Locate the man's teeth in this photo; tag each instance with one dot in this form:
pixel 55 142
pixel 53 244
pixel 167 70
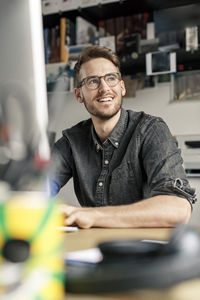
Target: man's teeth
pixel 105 99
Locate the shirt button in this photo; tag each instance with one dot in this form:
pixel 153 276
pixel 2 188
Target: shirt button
pixel 98 147
pixel 106 162
pixel 116 144
pixel 100 183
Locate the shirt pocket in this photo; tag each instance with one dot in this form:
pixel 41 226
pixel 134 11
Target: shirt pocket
pixel 123 187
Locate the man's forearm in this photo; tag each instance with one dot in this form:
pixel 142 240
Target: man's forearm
pixel 158 211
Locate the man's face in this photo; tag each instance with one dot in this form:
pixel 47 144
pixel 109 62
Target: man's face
pixel 105 101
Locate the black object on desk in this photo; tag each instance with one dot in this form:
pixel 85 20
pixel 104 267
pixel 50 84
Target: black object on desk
pixel 193 144
pixel 129 265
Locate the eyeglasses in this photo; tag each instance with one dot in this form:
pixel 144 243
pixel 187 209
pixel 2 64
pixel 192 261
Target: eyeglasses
pixel 93 82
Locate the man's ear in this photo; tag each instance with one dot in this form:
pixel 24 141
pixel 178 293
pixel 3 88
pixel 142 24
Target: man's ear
pixel 123 88
pixel 77 93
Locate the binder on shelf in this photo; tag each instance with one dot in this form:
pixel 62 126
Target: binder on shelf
pixel 70 33
pixel 54 45
pixel 63 51
pixel 110 26
pixel 119 34
pixel 47 48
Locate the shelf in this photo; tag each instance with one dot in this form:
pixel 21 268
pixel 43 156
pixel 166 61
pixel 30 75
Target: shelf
pixel 115 9
pixel 127 7
pixel 185 60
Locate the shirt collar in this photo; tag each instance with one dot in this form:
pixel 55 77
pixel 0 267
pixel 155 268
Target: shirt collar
pixel 119 129
pixel 116 134
pixel 95 139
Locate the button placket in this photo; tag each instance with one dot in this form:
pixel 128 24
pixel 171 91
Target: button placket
pixel 101 183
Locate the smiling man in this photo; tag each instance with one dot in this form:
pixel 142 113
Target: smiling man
pixel 126 167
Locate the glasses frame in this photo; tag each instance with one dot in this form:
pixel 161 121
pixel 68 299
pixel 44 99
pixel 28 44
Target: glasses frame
pixel 84 80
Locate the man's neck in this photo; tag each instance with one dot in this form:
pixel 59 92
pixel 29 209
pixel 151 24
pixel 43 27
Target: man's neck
pixel 104 128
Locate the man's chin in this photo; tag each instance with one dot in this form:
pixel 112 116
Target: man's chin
pixel 105 115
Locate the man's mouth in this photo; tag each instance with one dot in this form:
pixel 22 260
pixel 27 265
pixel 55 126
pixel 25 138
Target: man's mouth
pixel 106 99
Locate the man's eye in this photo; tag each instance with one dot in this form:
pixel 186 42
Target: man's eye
pixel 93 81
pixel 111 78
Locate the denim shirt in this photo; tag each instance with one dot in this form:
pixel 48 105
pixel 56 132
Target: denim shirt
pixel 140 159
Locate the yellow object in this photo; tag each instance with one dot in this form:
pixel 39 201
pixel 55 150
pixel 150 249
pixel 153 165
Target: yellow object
pixel 29 218
pixel 63 51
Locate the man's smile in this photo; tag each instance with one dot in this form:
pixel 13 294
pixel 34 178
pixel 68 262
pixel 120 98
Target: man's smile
pixel 105 99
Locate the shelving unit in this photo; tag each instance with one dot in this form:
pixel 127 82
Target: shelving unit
pixel 96 10
pixel 101 9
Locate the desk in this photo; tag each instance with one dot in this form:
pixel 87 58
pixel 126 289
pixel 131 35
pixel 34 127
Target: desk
pixel 89 238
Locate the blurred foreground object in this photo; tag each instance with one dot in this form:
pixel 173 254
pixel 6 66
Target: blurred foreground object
pixel 131 265
pixel 31 258
pixel 24 147
pixel 31 248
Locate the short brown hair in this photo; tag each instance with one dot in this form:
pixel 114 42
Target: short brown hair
pixel 92 52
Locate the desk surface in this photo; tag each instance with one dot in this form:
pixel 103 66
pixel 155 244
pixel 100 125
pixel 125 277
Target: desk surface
pixel 89 238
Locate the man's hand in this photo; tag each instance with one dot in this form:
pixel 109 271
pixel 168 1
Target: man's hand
pixel 83 217
pixel 158 211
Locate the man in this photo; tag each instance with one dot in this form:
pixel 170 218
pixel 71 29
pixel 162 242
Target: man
pixel 126 166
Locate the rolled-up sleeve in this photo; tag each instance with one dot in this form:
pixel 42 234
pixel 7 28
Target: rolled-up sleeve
pixel 163 163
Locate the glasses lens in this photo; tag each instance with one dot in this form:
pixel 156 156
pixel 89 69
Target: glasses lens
pixel 112 79
pixel 92 82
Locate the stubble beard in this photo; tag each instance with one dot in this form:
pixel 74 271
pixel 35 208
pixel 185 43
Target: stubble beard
pixel 103 115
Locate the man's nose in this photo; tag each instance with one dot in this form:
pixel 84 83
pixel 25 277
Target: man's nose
pixel 103 85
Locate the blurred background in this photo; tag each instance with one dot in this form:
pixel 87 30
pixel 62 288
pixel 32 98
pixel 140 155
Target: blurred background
pixel 36 78
pixel 133 31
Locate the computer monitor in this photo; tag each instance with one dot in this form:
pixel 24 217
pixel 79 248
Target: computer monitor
pixel 22 73
pixel 23 97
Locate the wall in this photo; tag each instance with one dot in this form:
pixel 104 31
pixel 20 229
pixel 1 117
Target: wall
pixel 182 118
